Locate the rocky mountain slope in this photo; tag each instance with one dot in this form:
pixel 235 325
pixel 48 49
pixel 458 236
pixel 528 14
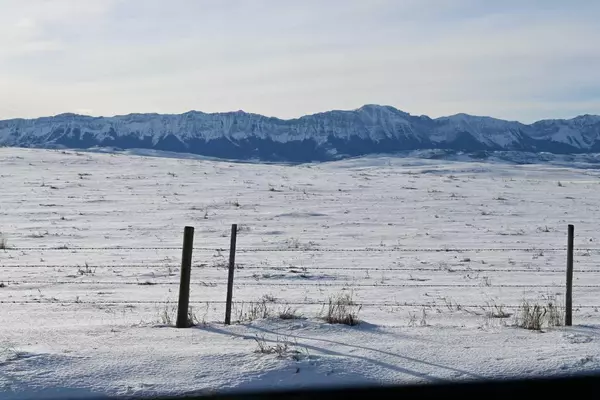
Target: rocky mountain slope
pixel 319 137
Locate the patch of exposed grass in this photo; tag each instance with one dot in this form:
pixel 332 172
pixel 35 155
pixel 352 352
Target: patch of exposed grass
pixel 535 316
pixel 255 310
pixel 342 310
pixel 288 313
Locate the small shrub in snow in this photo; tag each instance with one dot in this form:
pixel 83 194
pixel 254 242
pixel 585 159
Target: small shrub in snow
pixel 496 311
pixel 86 270
pixel 423 321
pixel 412 319
pixel 3 243
pixel 556 313
pixel 452 306
pixel 342 310
pixel 39 235
pixel 536 316
pixel 264 309
pixel 167 315
pixel 193 319
pixel 9 353
pixel 243 228
pixel 282 348
pixel 269 298
pixel 293 243
pixel 531 316
pixel 264 348
pixel 289 313
pixel 255 310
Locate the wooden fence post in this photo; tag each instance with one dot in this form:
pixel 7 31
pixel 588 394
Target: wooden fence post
pixel 230 278
pixel 184 284
pixel 569 295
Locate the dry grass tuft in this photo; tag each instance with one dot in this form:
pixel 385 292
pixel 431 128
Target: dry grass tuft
pixel 342 310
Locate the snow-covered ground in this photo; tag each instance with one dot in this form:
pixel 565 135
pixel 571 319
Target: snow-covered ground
pixel 87 316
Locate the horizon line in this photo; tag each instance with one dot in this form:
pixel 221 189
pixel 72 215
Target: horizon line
pixel 296 118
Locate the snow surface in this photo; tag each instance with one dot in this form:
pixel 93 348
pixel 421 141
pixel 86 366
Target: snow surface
pixel 67 329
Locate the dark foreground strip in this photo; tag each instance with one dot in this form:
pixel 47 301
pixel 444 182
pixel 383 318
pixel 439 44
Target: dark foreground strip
pixel 583 387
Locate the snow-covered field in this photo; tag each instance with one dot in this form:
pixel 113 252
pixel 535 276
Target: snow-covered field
pixel 86 316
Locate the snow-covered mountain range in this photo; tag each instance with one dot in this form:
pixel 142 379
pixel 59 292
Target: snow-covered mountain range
pixel 318 137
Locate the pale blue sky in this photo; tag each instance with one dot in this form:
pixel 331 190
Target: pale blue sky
pixel 521 60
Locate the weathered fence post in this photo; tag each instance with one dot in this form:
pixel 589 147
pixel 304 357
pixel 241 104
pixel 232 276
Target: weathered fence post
pixel 569 295
pixel 184 284
pixel 230 278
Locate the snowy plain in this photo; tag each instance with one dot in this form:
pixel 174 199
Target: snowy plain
pixel 430 249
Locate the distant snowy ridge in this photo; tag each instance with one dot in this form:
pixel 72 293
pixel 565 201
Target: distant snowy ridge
pixel 331 135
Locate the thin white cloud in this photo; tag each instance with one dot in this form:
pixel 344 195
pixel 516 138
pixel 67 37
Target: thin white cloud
pixel 25 23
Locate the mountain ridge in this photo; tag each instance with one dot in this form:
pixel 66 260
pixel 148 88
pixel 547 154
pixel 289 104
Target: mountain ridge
pixel 317 137
pixel 296 118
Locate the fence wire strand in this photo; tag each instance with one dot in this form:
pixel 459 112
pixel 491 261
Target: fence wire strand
pixel 308 249
pixel 349 284
pixel 291 269
pixel 302 283
pixel 250 303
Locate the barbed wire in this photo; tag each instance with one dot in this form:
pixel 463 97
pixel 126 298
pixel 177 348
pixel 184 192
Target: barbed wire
pixel 243 303
pixel 349 284
pixel 301 283
pixel 94 266
pixel 409 285
pixel 353 285
pixel 295 270
pixel 138 283
pixel 447 269
pixel 73 248
pixel 395 250
pixel 307 249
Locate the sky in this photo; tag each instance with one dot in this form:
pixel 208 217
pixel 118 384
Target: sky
pixel 520 60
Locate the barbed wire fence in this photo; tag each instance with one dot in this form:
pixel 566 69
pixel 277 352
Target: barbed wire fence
pixel 272 249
